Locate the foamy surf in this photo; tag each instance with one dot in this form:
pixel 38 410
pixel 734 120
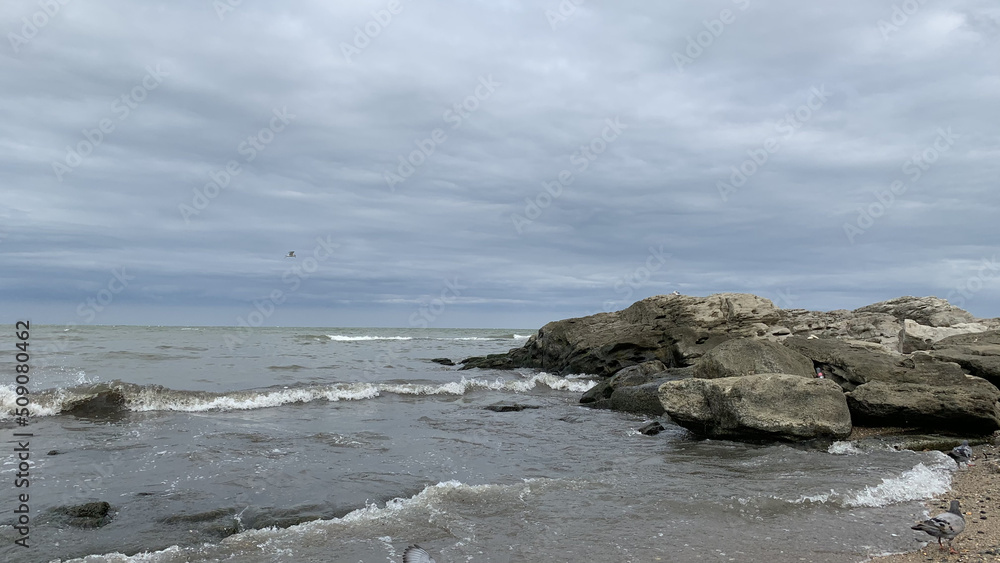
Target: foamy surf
pixel 144 398
pixel 921 482
pixel 375 522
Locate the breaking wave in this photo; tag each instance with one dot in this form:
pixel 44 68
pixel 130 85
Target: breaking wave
pixel 116 396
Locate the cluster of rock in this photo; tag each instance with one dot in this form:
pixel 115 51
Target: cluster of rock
pixel 736 366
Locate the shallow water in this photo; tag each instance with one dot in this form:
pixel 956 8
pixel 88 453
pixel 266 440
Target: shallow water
pixel 349 444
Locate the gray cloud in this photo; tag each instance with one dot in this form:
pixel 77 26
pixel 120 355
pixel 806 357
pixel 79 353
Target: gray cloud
pixel 785 233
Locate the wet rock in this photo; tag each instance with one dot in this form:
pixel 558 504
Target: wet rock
pixel 638 399
pixel 651 429
pixel 87 515
pixel 745 356
pixel 763 406
pixel 510 407
pixel 632 375
pixel 443 361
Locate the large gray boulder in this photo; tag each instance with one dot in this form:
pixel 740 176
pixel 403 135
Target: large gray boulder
pixel 599 395
pixel 979 354
pixel 746 356
pixel 763 406
pixel 968 408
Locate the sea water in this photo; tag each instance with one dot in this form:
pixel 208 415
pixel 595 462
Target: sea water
pixel 347 445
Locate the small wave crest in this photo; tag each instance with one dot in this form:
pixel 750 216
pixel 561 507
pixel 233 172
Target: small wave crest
pixel 103 399
pixel 347 338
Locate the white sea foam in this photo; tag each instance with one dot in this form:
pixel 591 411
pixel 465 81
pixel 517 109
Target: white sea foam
pixel 920 482
pixel 522 336
pixel 343 338
pixel 844 448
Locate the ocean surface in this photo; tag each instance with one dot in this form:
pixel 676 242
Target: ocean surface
pixel 346 445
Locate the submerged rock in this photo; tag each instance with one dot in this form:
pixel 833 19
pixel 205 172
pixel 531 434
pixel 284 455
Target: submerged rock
pixel 651 429
pixel 510 407
pixel 443 361
pixel 764 406
pixel 87 515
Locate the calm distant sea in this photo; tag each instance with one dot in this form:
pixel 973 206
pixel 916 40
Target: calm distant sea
pixel 346 445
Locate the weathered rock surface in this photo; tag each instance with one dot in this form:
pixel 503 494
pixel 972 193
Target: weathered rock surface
pixel 979 354
pixel 915 336
pixel 967 408
pixel 929 311
pixel 674 329
pixel 763 406
pixel 679 329
pixel 917 350
pixel 746 356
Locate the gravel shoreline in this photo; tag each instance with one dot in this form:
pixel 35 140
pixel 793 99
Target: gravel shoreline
pixel 978 489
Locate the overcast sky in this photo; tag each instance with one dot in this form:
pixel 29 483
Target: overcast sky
pixel 492 163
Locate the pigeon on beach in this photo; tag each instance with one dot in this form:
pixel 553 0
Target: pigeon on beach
pixel 962 454
pixel 944 526
pixel 417 554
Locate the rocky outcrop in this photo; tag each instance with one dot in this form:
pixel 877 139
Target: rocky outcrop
pixel 674 329
pixel 909 352
pixel 979 354
pixel 679 329
pixel 763 406
pixel 968 408
pixel 746 356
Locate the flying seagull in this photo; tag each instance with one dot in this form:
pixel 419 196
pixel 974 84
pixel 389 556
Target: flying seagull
pixel 944 526
pixel 962 454
pixel 291 254
pixel 417 554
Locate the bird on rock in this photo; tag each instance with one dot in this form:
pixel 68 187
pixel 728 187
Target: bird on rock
pixel 962 454
pixel 944 526
pixel 417 554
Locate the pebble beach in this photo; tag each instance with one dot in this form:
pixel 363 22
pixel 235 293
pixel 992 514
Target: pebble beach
pixel 978 488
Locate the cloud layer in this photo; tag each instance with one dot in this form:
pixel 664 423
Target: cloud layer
pixel 497 163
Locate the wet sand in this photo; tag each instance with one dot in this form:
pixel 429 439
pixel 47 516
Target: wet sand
pixel 978 489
